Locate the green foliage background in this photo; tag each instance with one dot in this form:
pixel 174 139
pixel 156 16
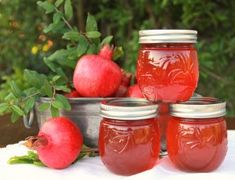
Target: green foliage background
pixel 22 21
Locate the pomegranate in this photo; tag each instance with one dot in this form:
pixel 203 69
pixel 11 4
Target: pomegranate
pixel 58 142
pixel 134 91
pixel 125 83
pixel 97 75
pixel 72 94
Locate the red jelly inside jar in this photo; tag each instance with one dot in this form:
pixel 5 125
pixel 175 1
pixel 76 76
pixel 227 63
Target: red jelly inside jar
pixel 129 141
pixel 167 67
pixel 197 144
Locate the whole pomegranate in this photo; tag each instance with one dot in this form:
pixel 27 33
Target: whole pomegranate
pixel 58 142
pixel 134 91
pixel 97 75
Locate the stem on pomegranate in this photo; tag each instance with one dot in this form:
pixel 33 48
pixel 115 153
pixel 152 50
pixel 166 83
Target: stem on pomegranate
pixel 35 142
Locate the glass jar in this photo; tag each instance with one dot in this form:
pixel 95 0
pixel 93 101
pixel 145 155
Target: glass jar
pixel 197 134
pixel 129 140
pixel 167 67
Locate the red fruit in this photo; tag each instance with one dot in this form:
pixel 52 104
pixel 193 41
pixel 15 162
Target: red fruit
pixel 125 83
pixel 97 75
pixel 58 142
pixel 72 94
pixel 134 91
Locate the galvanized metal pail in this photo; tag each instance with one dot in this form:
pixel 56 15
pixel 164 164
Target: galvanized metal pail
pixel 84 112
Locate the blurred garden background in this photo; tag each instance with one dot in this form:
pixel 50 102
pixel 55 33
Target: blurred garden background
pixel 23 43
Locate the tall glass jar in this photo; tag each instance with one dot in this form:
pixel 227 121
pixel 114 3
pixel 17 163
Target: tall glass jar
pixel 129 139
pixel 167 67
pixel 197 134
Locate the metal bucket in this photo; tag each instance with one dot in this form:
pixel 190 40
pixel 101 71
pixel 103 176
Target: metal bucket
pixel 84 112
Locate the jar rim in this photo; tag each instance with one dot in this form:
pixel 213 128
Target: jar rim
pixel 128 109
pixel 199 107
pixel 167 36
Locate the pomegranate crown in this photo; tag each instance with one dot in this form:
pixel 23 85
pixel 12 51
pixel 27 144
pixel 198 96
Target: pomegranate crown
pixel 106 52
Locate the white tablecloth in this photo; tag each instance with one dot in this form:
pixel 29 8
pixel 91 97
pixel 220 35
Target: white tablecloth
pixel 92 168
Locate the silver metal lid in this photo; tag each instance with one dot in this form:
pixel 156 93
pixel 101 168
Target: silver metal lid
pixel 167 36
pixel 128 109
pixel 199 107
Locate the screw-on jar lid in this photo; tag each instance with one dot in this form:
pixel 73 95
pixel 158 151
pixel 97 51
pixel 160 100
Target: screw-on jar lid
pixel 199 107
pixel 167 36
pixel 128 109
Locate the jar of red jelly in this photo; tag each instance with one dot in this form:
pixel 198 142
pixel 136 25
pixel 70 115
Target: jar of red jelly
pixel 197 134
pixel 129 140
pixel 167 67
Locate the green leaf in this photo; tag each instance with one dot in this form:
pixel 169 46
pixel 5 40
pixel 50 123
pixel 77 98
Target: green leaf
pixel 81 155
pixel 32 155
pixel 57 17
pixel 106 40
pixel 57 104
pixel 50 64
pixel 47 89
pixel 17 109
pixel 30 158
pixel 49 7
pixel 9 97
pixel 118 52
pixel 32 92
pixel 34 78
pixel 54 112
pixel 62 58
pixel 93 34
pixel 82 46
pixel 55 78
pixel 71 35
pixel 54 27
pixel 15 89
pixel 86 151
pixel 39 163
pixel 20 160
pixel 62 88
pixel 14 116
pixel 39 81
pixel 68 9
pixel 49 28
pixel 29 104
pixel 64 101
pixel 71 59
pixel 59 54
pixel 43 107
pixel 55 68
pixel 58 3
pixel 91 24
pixel 3 107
